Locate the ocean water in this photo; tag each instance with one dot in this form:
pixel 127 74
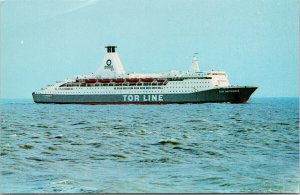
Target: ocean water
pixel 205 148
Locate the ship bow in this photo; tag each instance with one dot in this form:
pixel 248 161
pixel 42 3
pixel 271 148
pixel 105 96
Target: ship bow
pixel 240 94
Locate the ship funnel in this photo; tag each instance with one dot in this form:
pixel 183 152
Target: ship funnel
pixel 111 49
pixel 112 66
pixel 195 64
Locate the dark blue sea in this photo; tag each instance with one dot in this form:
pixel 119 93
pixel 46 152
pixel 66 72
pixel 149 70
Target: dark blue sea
pixel 200 148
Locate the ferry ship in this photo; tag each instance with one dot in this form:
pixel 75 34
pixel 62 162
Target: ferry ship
pixel 110 84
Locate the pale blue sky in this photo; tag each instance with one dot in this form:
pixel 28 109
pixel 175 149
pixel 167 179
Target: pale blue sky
pixel 254 41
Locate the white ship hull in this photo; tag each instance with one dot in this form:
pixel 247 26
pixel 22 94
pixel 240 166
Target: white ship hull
pixel 231 95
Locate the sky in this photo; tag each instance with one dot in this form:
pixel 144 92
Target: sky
pixel 254 41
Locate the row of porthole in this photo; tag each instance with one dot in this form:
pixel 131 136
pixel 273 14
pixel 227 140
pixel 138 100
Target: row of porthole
pixel 129 88
pixel 73 92
pixel 185 87
pixel 115 92
pixel 99 90
pixel 126 86
pixel 196 82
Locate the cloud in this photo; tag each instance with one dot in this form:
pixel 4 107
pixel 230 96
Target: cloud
pixel 82 4
pixel 61 8
pixel 1 2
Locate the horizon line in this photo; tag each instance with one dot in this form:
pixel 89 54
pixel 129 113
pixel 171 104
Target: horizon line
pixel 250 98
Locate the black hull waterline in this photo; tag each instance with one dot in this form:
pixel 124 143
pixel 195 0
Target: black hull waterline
pixel 228 94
